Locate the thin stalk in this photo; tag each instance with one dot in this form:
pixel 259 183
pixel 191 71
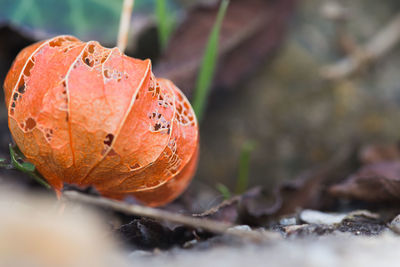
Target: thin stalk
pixel 163 215
pixel 19 164
pixel 124 24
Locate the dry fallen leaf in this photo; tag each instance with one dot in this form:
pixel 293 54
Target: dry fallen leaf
pixel 378 153
pixel 379 182
pixel 306 191
pixel 250 33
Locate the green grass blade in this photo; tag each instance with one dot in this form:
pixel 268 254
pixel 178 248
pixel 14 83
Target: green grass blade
pixel 225 192
pixel 165 22
pixel 208 65
pixel 243 176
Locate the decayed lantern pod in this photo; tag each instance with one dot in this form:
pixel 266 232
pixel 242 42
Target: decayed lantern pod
pixel 91 116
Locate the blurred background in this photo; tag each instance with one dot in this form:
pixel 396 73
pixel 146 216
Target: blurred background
pixel 296 80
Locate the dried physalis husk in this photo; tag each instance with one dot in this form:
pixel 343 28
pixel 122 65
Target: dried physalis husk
pixel 91 116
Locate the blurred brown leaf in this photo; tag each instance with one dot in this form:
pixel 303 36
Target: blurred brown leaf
pixel 308 189
pixel 250 33
pixel 379 153
pixel 379 182
pixel 230 209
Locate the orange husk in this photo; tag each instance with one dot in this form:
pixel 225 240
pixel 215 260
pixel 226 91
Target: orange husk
pixel 91 116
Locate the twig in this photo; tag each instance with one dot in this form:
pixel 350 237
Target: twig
pixel 335 11
pixel 376 47
pixel 339 15
pixel 206 224
pixel 124 23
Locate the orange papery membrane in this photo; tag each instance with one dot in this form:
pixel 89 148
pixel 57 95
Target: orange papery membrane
pixel 88 115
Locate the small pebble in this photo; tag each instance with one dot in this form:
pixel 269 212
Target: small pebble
pixel 318 217
pixel 244 228
pixel 288 221
pixel 395 224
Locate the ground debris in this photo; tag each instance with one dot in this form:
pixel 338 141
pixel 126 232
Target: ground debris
pixel 361 227
pixel 317 223
pixel 340 250
pixel 147 234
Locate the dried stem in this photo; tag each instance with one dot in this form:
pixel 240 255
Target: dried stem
pixel 124 23
pixel 206 224
pixel 376 47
